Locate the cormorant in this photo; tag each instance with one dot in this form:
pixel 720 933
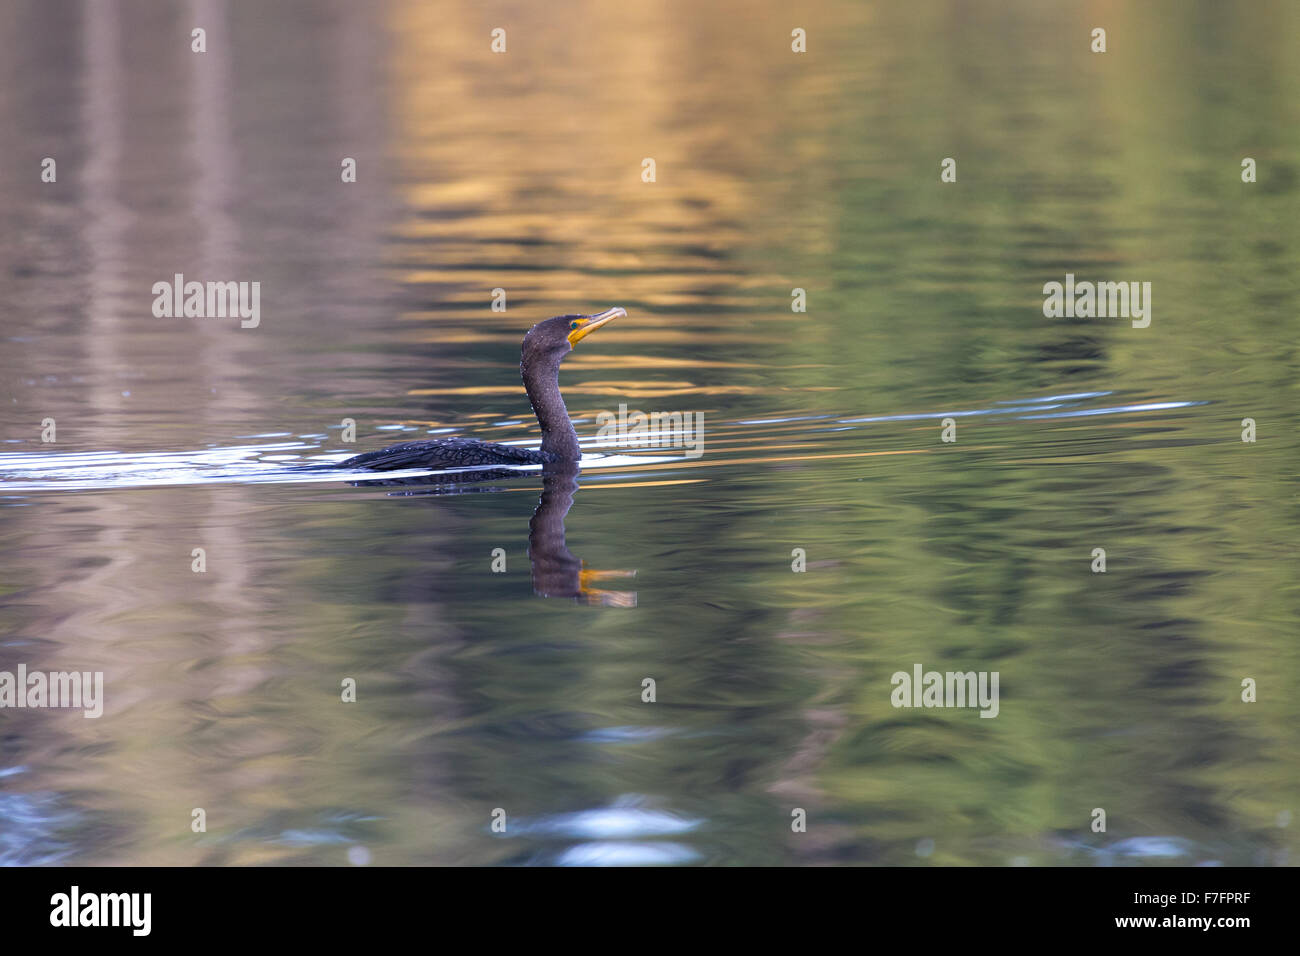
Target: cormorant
pixel 544 347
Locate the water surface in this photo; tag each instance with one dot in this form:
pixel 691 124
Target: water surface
pixel 823 430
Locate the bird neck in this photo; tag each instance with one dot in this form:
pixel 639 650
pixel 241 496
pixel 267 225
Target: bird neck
pixel 542 382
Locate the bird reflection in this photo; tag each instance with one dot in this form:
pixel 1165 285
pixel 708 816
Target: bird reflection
pixel 556 571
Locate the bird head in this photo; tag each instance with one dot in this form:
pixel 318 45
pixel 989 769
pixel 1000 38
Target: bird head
pixel 557 336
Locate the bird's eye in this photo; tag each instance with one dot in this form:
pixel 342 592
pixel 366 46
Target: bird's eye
pixel 573 325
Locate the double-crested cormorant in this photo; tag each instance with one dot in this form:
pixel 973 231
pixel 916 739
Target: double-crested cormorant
pixel 543 349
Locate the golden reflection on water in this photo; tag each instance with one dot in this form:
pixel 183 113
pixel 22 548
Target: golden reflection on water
pixel 537 153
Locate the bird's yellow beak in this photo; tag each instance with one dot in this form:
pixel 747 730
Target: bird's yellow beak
pixel 581 328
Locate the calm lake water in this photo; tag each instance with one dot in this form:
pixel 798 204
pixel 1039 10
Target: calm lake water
pixel 775 171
